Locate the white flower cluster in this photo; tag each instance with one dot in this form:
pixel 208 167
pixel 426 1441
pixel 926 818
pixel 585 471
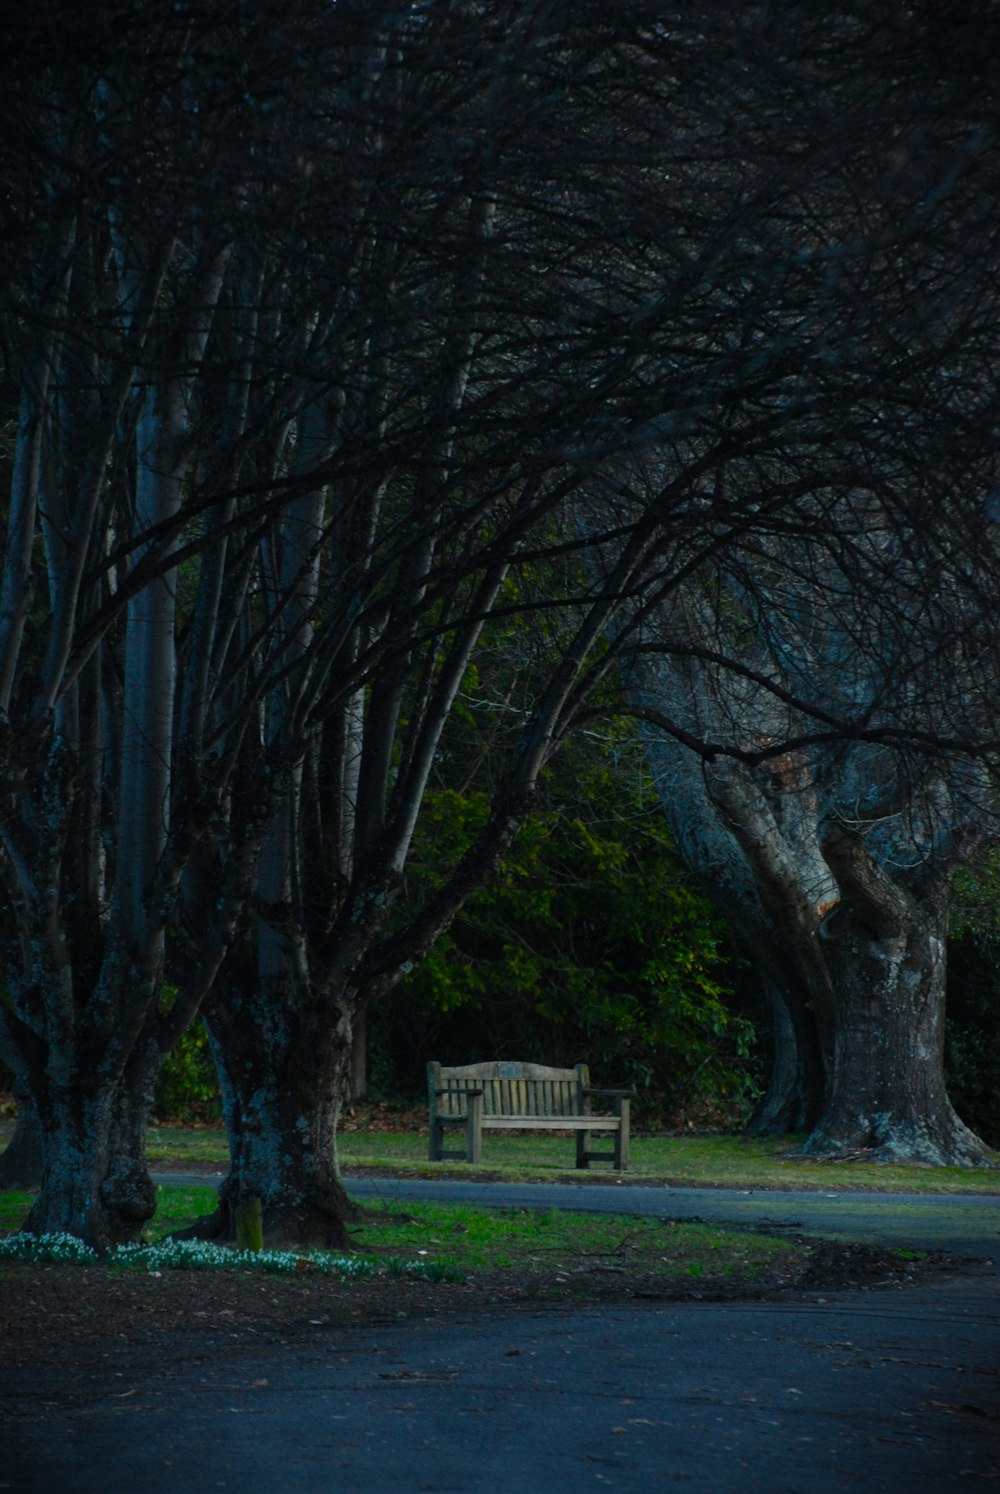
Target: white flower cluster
pixel 63 1247
pixel 197 1255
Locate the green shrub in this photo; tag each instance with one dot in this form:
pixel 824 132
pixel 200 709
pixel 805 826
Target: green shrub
pixel 188 1087
pixel 592 943
pixel 972 1043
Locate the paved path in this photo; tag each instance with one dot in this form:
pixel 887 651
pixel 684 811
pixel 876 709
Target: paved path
pixel 874 1392
pixel 966 1223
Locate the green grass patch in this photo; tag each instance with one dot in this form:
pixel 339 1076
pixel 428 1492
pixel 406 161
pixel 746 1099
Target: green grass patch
pixel 175 1208
pixel 183 1145
pixel 450 1242
pixel 561 1243
pixel 14 1207
pixel 702 1160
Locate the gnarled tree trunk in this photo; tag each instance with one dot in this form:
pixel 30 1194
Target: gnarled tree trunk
pixel 887 1098
pixel 94 1183
pixel 91 1100
pixel 848 920
pixel 283 1066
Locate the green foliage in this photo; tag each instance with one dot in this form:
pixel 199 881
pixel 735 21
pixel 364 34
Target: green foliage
pixel 591 943
pixel 975 911
pixel 188 1088
pixel 972 1043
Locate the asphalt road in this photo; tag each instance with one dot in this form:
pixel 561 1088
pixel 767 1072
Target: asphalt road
pixel 885 1390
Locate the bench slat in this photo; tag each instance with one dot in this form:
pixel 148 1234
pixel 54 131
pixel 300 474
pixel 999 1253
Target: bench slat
pixel 551 1123
pixel 504 1095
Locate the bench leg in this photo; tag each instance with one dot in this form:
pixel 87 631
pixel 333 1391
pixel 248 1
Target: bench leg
pixel 623 1107
pixel 583 1148
pixel 436 1145
pixel 474 1129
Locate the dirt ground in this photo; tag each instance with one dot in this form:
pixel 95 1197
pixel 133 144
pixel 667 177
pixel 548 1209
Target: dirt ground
pixel 52 1314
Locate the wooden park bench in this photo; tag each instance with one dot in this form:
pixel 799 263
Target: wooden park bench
pixel 499 1096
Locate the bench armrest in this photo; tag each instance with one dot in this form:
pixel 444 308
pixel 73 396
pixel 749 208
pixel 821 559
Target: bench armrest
pixel 475 1093
pixel 613 1094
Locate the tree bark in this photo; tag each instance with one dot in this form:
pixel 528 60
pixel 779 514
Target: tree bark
pixel 359 1056
pixel 94 1182
pixel 127 1191
pixel 887 1098
pixel 283 1067
pixel 846 914
pixel 793 1099
pixel 90 1085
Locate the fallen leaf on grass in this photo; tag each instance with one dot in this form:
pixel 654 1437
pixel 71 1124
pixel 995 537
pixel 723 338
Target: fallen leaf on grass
pixel 965 1409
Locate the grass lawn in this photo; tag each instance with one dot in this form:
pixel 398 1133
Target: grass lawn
pixel 698 1160
pixel 459 1239
pixel 694 1160
pixel 472 1239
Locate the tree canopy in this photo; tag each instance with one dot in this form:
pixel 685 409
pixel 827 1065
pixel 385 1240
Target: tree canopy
pixel 336 341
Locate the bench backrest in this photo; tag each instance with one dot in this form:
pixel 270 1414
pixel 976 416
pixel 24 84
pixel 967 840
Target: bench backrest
pixel 510 1088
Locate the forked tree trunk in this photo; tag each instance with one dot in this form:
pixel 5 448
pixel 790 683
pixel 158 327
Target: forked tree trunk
pixel 887 1098
pixel 283 1068
pixel 850 926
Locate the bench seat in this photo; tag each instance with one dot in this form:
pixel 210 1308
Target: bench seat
pixel 514 1096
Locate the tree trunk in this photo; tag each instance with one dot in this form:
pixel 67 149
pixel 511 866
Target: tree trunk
pixel 75 1130
pixel 128 1191
pixel 91 1093
pixel 887 1098
pixel 793 1100
pixel 283 1068
pixel 94 1180
pixel 359 1056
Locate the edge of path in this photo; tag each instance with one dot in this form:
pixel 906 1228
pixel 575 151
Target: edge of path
pixel 967 1224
